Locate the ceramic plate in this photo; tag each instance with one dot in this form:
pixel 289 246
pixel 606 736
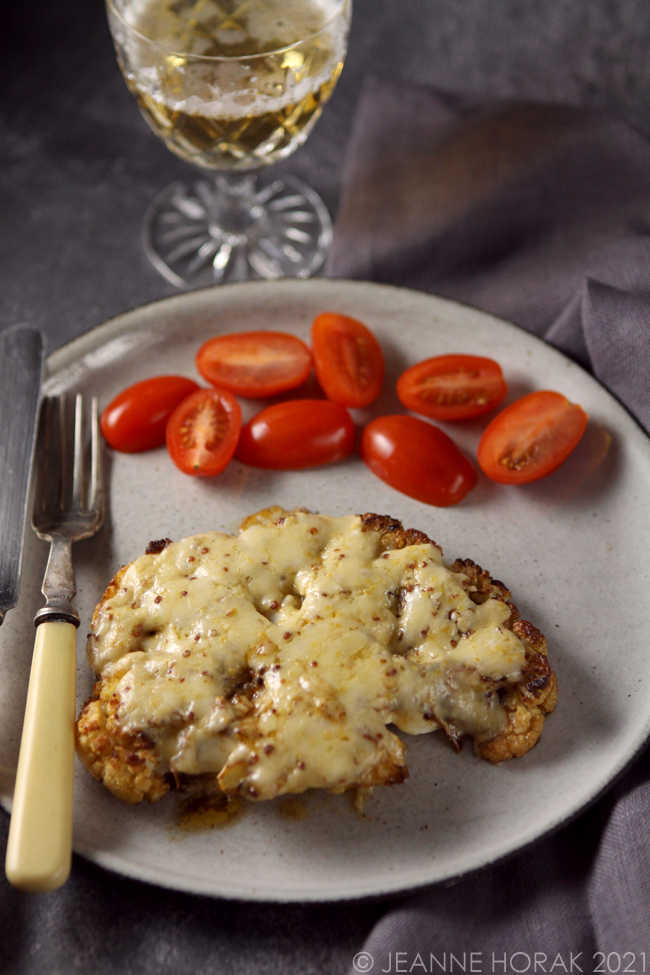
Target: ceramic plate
pixel 573 548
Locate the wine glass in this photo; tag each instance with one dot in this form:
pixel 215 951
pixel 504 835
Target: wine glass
pixel 233 86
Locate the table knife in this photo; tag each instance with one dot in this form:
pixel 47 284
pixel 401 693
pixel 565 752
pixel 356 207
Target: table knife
pixel 21 369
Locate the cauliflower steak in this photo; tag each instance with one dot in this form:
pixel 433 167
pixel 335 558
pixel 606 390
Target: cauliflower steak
pixel 276 660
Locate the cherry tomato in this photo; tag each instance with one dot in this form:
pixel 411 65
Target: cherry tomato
pixel 203 430
pixel 418 459
pixel 297 433
pixel 452 387
pixel 254 363
pixel 136 419
pixel 531 438
pixel 348 360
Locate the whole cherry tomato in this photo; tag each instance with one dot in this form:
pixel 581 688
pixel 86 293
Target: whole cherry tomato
pixel 418 459
pixel 452 387
pixel 348 360
pixel 297 433
pixel 137 418
pixel 255 364
pixel 203 430
pixel 531 438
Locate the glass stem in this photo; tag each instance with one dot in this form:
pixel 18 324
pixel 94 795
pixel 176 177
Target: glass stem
pixel 238 187
pixel 233 206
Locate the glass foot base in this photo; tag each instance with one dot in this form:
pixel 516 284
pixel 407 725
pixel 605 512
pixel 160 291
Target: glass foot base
pixel 236 227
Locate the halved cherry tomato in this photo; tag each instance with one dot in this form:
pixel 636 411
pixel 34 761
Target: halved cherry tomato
pixel 203 431
pixel 137 418
pixel 254 363
pixel 452 387
pixel 297 433
pixel 418 459
pixel 531 438
pixel 348 360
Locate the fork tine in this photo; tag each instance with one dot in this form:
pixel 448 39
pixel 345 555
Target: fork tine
pixel 78 457
pixel 68 495
pixel 49 485
pixel 95 497
pixel 41 440
pixel 59 446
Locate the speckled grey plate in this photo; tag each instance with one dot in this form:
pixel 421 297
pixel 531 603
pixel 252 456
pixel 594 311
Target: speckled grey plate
pixel 572 548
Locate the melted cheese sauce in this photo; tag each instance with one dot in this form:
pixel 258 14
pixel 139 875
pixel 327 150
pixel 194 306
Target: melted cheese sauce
pixel 275 659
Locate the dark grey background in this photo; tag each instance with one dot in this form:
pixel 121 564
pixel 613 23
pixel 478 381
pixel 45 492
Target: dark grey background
pixel 78 167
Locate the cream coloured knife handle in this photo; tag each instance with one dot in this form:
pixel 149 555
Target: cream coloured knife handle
pixel 40 833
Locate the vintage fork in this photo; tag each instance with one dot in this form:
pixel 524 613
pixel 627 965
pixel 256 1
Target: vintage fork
pixel 68 505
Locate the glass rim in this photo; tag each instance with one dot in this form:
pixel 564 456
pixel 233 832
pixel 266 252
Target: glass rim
pixel 227 57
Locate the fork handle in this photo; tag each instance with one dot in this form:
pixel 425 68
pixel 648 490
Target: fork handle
pixel 39 851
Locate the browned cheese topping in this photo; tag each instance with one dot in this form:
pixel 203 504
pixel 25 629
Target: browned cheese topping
pixel 276 659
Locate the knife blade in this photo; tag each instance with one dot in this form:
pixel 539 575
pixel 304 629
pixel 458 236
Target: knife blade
pixel 21 370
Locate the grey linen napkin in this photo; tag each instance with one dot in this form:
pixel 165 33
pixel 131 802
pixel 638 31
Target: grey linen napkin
pixel 540 215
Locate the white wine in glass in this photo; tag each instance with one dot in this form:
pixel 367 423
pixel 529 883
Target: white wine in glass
pixel 233 86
